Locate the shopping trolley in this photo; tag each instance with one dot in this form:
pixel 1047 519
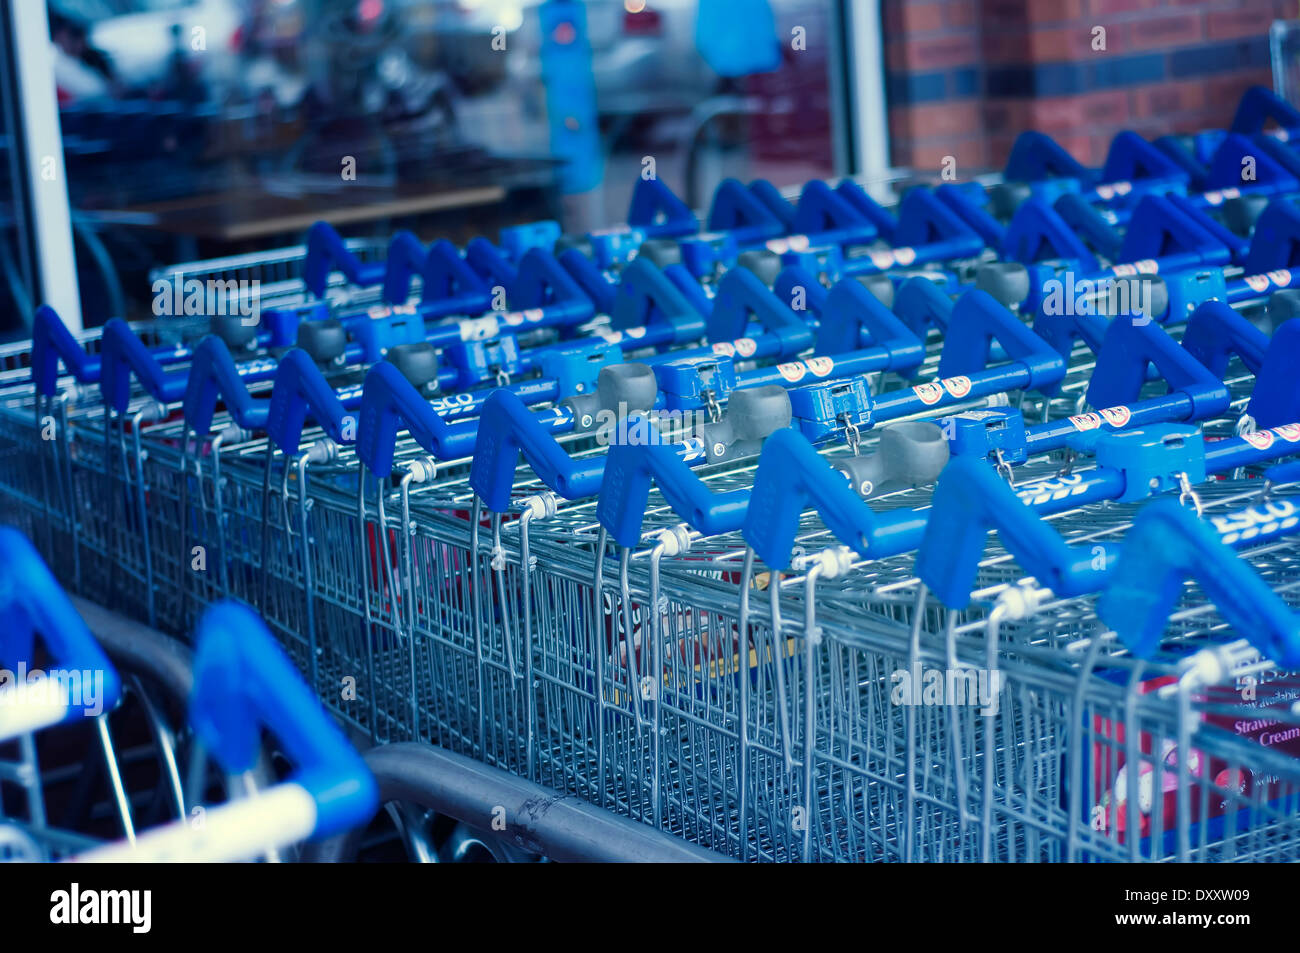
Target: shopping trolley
pixel 242 685
pixel 1203 791
pixel 734 295
pixel 534 637
pixel 513 663
pixel 566 569
pixel 77 682
pixel 506 627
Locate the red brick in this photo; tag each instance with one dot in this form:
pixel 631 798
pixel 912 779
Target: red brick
pixel 941 53
pixel 1105 8
pixel 1169 99
pixel 1229 24
pixel 960 13
pixel 1287 9
pixel 1185 125
pixel 909 18
pixel 1070 114
pixel 999 149
pixel 971 154
pixel 942 119
pixel 1108 107
pixel 1009 116
pixel 1053 44
pixel 1053 11
pixel 1002 12
pixel 1177 29
pixel 1054 115
pixel 1004 46
pixel 1223 92
pixel 922 17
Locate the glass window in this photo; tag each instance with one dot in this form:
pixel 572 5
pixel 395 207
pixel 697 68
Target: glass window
pixel 197 128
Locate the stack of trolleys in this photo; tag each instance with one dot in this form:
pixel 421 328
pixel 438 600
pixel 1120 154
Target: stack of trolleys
pixel 141 389
pixel 639 583
pixel 242 686
pixel 604 721
pixel 148 376
pixel 42 411
pixel 690 603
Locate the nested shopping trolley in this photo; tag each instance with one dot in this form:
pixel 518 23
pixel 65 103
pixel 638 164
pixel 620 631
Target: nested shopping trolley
pixel 703 598
pixel 240 685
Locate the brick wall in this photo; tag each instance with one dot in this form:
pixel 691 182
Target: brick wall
pixel 964 77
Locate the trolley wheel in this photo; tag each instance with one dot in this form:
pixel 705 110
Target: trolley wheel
pixel 164 771
pixel 414 823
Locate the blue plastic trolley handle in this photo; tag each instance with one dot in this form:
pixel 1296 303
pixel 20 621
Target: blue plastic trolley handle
pixel 243 683
pixel 791 476
pixel 638 457
pixel 508 428
pixel 327 250
pixel 52 342
pixel 300 388
pixel 124 356
pixel 213 379
pixel 1168 545
pixel 31 603
pixel 1260 104
pixel 389 404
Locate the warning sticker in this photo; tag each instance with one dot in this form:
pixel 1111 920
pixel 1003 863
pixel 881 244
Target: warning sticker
pixel 1219 196
pixel 793 371
pixel 957 386
pixel 1147 266
pixel 1118 416
pixel 1086 421
pixel 821 366
pixel 930 393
